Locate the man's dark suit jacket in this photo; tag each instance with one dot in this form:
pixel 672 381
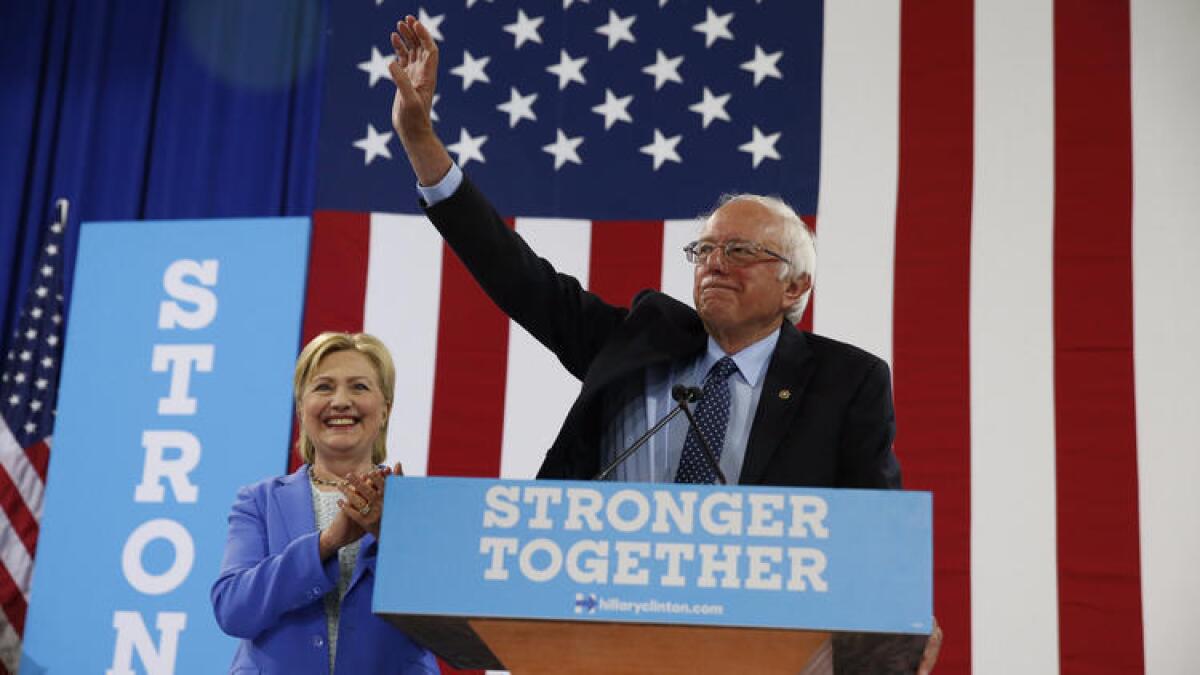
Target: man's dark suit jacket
pixel 825 417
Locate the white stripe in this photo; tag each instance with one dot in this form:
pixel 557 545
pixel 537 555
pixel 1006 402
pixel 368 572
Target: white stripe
pixel 676 270
pixel 1166 145
pixel 21 471
pixel 14 556
pixel 538 391
pixel 859 154
pixel 1014 591
pixel 10 645
pixel 404 281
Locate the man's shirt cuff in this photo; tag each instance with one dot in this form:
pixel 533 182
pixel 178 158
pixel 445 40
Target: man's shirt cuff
pixel 443 188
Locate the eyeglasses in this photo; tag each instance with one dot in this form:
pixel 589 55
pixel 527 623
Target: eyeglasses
pixel 736 252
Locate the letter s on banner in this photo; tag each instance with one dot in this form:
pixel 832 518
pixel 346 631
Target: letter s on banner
pixel 170 314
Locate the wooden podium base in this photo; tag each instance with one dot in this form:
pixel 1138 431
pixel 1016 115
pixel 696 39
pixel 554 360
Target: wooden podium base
pixel 542 647
pixel 533 647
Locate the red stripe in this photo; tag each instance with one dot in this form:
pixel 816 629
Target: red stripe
pixel 39 457
pixel 931 305
pixel 626 257
pixel 468 382
pixel 23 522
pixel 1099 573
pixel 338 253
pixel 13 601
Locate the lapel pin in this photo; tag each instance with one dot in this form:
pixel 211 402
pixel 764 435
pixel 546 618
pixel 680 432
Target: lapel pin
pixel 785 394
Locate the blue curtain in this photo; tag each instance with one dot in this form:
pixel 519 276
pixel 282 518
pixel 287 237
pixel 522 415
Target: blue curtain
pixel 152 109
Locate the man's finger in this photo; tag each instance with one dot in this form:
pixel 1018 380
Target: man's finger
pixel 423 35
pixel 409 38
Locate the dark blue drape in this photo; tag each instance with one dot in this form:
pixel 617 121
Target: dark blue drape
pixel 152 109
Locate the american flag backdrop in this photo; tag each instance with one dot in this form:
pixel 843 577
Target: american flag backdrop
pixel 28 391
pixel 971 169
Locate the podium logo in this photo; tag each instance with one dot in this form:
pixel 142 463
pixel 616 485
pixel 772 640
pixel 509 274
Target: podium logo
pixel 586 602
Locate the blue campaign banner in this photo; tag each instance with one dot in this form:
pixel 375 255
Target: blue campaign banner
pixel 840 560
pixel 175 391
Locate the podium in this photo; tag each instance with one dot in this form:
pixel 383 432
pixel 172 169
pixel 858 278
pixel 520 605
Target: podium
pixel 606 577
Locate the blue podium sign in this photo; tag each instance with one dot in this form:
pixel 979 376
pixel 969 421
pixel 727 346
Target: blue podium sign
pixel 175 391
pixel 813 559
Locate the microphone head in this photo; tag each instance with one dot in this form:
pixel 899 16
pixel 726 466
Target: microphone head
pixel 694 394
pixel 683 393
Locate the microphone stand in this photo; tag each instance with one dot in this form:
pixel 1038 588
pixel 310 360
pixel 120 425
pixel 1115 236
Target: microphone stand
pixel 682 395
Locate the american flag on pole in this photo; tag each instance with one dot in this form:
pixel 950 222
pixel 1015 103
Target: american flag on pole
pixel 971 169
pixel 28 391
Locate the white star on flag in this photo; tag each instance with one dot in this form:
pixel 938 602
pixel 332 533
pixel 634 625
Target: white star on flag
pixel 711 107
pixel 376 67
pixel 614 109
pixel 524 29
pixel 763 65
pixel 662 149
pixel 664 69
pixel 761 146
pixel 471 70
pixel 433 24
pixel 518 107
pixel 568 69
pixel 468 147
pixel 617 29
pixel 715 26
pixel 564 149
pixel 374 144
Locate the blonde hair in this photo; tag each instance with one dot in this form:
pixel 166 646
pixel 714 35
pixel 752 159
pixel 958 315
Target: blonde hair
pixel 377 354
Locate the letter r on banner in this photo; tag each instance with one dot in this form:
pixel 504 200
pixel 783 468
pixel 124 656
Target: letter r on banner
pixel 156 466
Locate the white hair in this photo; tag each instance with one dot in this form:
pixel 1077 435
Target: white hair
pixel 799 244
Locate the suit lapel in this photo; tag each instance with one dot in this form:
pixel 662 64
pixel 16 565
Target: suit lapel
pixel 782 395
pixel 294 500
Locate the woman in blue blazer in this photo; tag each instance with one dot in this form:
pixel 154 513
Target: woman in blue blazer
pixel 297 577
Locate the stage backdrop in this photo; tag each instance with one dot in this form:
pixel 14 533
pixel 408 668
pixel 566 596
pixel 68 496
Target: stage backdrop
pixel 176 390
pixel 971 168
pixel 1006 195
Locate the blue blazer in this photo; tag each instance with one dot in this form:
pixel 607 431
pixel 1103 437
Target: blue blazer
pixel 270 589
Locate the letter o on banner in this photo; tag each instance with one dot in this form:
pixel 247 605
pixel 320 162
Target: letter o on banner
pixel 181 566
pixel 553 565
pixel 641 511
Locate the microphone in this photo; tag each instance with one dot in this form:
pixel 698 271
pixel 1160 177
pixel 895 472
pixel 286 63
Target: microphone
pixel 683 395
pixel 680 392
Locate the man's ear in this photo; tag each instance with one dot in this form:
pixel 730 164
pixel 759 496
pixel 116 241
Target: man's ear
pixel 795 289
